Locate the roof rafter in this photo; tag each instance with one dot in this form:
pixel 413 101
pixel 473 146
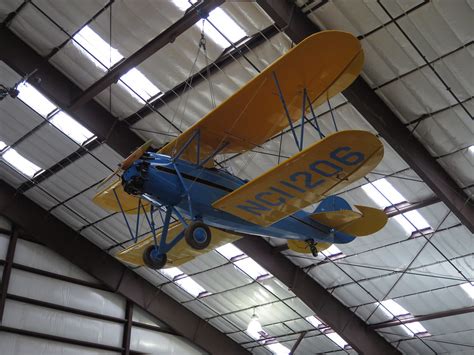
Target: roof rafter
pixel 297 26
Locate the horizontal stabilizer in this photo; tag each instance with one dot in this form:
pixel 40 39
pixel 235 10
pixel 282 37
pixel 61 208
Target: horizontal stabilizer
pixel 309 176
pixel 181 253
pixel 109 201
pixel 300 246
pixel 369 221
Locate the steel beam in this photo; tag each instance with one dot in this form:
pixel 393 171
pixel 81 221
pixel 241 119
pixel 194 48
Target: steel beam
pixel 165 37
pixel 7 270
pixel 398 209
pixel 297 26
pixel 328 309
pixel 62 239
pixel 127 329
pixel 421 318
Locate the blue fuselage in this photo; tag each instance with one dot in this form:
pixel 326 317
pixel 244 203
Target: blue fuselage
pixel 159 178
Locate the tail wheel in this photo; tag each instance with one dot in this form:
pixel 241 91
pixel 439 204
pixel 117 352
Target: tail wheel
pixel 198 235
pixel 153 259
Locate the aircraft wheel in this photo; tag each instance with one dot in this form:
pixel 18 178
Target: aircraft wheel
pixel 153 259
pixel 198 235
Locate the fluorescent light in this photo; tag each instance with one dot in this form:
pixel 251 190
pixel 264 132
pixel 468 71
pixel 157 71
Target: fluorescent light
pixel 229 251
pixel 71 127
pixel 278 349
pixel 254 329
pixel 33 98
pixel 471 149
pixel 106 56
pixel 383 193
pixel 315 322
pixel 249 266
pixel 337 339
pixel 190 286
pixel 2 145
pixel 226 25
pixel 20 163
pixel 100 49
pixel 392 308
pixel 468 288
pixel 171 272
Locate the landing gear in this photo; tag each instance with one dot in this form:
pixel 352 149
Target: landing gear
pixel 153 259
pixel 198 235
pixel 312 247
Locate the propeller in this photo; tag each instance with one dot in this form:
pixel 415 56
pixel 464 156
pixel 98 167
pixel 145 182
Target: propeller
pixel 124 165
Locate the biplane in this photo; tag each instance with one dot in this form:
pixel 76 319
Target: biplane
pixel 203 206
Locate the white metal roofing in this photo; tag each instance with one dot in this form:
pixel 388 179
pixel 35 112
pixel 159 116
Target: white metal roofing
pixel 372 268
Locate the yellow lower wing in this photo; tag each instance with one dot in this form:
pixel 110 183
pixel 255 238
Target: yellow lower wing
pixel 357 224
pixel 108 200
pixel 314 173
pixel 181 253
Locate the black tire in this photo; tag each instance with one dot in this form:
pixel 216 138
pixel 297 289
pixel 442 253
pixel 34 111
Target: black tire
pixel 152 259
pixel 198 235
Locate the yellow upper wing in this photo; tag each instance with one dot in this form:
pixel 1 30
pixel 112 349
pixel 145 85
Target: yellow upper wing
pixel 314 173
pixel 324 63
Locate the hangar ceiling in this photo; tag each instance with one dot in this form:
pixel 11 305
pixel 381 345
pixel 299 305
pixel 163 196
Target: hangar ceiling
pixel 418 63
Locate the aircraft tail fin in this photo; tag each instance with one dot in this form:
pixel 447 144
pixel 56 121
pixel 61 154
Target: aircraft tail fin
pixel 336 213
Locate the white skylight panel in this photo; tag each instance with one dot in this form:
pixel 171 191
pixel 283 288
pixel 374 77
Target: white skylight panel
pixel 191 286
pixel 412 221
pixel 183 5
pixel 171 272
pixel 383 193
pixel 229 251
pixel 2 145
pixel 99 48
pixel 33 98
pixel 278 349
pixel 315 322
pixel 393 309
pixel 414 328
pixel 469 289
pixel 71 127
pixel 226 25
pixel 337 339
pixel 20 163
pixel 332 251
pixel 137 84
pixel 254 270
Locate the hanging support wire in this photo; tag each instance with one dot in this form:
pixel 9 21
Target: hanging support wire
pixel 332 114
pixel 123 214
pixel 315 119
pixel 202 45
pixel 285 107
